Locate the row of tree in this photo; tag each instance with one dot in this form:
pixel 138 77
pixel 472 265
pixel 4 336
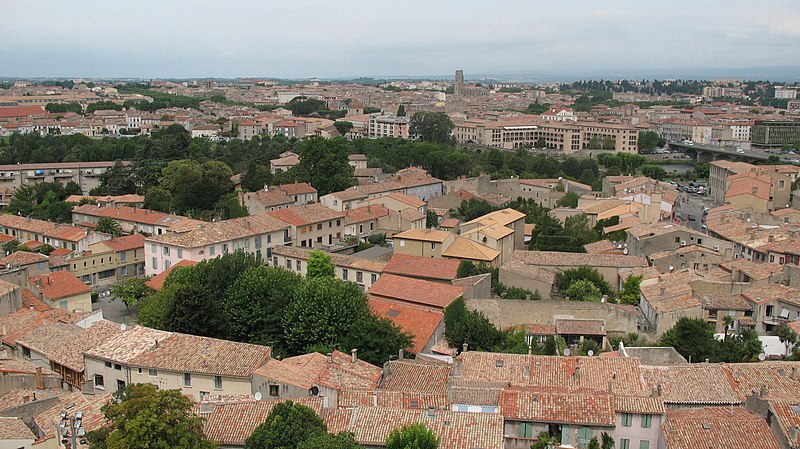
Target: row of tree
pixel 236 297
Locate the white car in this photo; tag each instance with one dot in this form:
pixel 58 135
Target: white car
pixel 739 150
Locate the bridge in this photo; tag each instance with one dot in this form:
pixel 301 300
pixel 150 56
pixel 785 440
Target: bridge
pixel 708 153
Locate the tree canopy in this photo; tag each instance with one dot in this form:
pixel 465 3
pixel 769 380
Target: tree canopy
pixel 431 126
pixel 412 436
pixel 288 425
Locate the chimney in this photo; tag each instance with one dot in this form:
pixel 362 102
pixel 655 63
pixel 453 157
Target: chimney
pixel 610 387
pixel 654 391
pixel 400 355
pixel 764 391
pixel 330 357
pixel 354 354
pixel 577 374
pixel 771 238
pixel 663 291
pixel 26 399
pixel 659 390
pixel 39 379
pixel 464 347
pixel 526 372
pixel 5 329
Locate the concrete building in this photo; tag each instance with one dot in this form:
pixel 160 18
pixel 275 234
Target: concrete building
pixel 387 126
pixel 458 87
pixel 109 262
pixel 63 290
pixel 363 272
pixel 312 225
pixel 774 133
pixel 422 242
pixel 85 174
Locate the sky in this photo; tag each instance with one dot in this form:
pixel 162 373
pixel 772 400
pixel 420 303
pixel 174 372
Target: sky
pixel 352 38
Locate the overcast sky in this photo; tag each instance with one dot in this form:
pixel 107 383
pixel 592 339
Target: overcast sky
pixel 326 38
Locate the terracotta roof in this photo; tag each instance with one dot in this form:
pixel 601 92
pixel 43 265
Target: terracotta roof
pixel 124 213
pixel 340 260
pixel 545 406
pixel 529 271
pixel 191 353
pixel 20 258
pixel 417 377
pixel 696 384
pixel 391 399
pixel 580 327
pixel 12 428
pixel 772 292
pixel 411 201
pixel 503 217
pixel 464 248
pixel 157 281
pixel 125 243
pixel 311 369
pixel 204 233
pixel 425 235
pixel 58 285
pixel 269 198
pixel 727 428
pixel 415 291
pixel 457 430
pixel 422 267
pixel 231 424
pixel 365 213
pixel 46 228
pixel 90 405
pixel 417 321
pixel 642 405
pixel 748 184
pixel 307 214
pixel 48 340
pixel 20 396
pixel 788 415
pixel 298 188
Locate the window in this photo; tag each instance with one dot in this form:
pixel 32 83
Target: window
pixel 108 364
pixel 258 242
pixel 118 367
pixel 525 430
pixel 627 419
pixel 319 226
pixel 781 184
pixel 359 276
pixel 120 384
pixel 153 247
pixel 212 250
pixel 433 245
pixel 218 382
pixel 273 390
pixel 338 222
pixel 644 444
pixel 677 239
pixel 123 256
pixel 225 248
pixel 26 352
pixel 139 370
pixel 99 382
pixel 373 278
pixel 123 271
pixel 289 263
pixel 152 373
pixel 204 394
pixel 187 379
pixel 180 253
pixel 167 264
pixel 624 443
pixel 166 250
pixel 770 311
pixel 155 263
pixel 585 434
pixel 344 274
pixel 647 421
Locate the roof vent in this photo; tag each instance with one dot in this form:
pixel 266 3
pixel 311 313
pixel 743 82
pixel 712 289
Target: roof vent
pixel 706 426
pixel 499 363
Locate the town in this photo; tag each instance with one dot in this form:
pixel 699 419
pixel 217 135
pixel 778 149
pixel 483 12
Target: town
pixel 595 264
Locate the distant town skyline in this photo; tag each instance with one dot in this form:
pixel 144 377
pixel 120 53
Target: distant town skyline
pixel 306 38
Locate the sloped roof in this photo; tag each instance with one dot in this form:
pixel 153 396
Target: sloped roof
pixel 415 291
pixel 422 267
pixel 727 428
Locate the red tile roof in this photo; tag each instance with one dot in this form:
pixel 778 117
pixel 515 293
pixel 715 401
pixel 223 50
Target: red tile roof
pixel 297 188
pixel 565 407
pixel 157 281
pixel 19 258
pixel 727 428
pixel 58 284
pixel 365 213
pixel 306 215
pixel 422 267
pixel 415 291
pixel 418 321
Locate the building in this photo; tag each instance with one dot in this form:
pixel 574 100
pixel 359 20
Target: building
pixel 286 161
pixel 302 192
pixel 109 262
pixel 381 125
pixel 363 272
pixel 131 219
pixel 413 291
pixel 774 133
pixel 785 92
pixel 422 242
pixel 312 225
pixel 197 366
pixel 63 290
pixel 458 87
pixel 772 306
pixel 265 200
pixel 85 174
pixel 256 234
pixel 56 235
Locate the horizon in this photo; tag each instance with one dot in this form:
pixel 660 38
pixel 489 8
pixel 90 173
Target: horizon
pixel 311 39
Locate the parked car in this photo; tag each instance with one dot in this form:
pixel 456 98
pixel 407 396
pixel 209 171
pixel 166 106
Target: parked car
pixel 691 217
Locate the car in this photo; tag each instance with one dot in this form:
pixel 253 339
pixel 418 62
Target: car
pixel 739 150
pixel 691 217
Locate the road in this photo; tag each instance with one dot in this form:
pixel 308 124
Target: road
pixel 692 204
pixel 114 310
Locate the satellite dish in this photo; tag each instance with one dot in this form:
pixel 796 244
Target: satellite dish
pixel 671 268
pixel 590 353
pixel 258 395
pixel 313 391
pixel 567 352
pixel 625 251
pixel 123 326
pixel 762 357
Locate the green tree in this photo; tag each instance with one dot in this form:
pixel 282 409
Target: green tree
pixel 654 171
pixel 462 325
pixel 143 417
pixel 288 425
pixel 577 227
pixel 583 290
pixel 702 170
pixel 131 292
pixel 630 292
pixel 23 201
pixel 607 441
pixel 570 199
pixel 412 436
pixel 741 348
pixel 103 106
pixel 693 338
pixel 343 126
pixel 594 144
pixel 320 265
pixel 109 226
pixel 343 440
pixel 431 126
pixel 649 140
pixel 566 278
pixel 153 310
pixel 401 110
pixel 594 443
pixel 324 164
pixel 304 106
pixel 431 220
pixel 545 441
pixel 787 336
pixel 473 208
pixel 158 198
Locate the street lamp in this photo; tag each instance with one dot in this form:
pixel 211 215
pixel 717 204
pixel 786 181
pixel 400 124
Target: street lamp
pixel 71 428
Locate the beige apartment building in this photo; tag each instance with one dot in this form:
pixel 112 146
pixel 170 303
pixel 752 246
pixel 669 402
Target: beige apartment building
pixel 85 174
pixel 363 272
pixel 109 262
pixel 313 225
pixel 422 242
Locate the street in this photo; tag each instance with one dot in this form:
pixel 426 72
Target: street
pixel 691 204
pixel 114 310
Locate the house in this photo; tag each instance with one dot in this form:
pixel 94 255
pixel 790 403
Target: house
pixel 426 324
pixel 10 297
pixel 286 161
pixel 109 262
pixel 694 257
pixel 344 200
pixel 56 235
pixel 667 299
pixel 265 200
pixel 397 202
pixel 60 347
pixel 34 263
pixel 357 160
pixel 302 192
pixel 773 305
pixel 415 291
pixel 489 230
pixel 422 242
pixel 312 225
pixel 230 424
pixel 197 366
pixel 256 234
pixel 363 272
pixel 717 306
pixel 463 248
pixel 62 289
pixel 410 181
pixel 728 428
pixel 425 268
pixel 157 281
pixel 131 219
pixel 576 331
pixel 15 433
pixel 315 374
pixel 361 222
